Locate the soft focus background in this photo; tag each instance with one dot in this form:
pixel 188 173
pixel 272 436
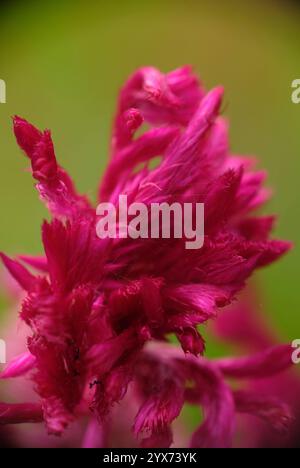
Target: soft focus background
pixel 64 61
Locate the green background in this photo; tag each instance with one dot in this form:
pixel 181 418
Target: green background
pixel 63 63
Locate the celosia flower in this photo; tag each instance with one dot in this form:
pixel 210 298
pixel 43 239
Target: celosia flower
pixel 243 326
pixel 96 302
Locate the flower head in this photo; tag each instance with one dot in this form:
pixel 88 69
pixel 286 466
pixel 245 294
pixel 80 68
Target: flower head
pixel 243 326
pixel 96 302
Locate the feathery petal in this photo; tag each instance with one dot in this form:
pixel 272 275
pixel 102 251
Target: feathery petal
pixel 18 366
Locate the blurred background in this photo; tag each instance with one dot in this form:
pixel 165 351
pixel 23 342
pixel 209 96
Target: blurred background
pixel 64 61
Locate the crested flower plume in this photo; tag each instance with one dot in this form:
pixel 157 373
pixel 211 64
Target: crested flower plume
pixel 99 309
pixel 243 326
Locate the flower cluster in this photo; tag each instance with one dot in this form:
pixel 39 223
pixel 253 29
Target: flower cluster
pixel 94 304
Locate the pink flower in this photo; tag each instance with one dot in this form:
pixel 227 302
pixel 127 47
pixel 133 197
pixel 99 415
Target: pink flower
pixel 243 326
pixel 95 303
pixel 204 382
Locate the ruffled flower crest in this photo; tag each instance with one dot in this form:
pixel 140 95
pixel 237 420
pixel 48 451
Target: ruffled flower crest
pixel 96 302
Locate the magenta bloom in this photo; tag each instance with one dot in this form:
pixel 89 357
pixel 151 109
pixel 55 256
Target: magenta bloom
pixel 96 302
pixel 243 326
